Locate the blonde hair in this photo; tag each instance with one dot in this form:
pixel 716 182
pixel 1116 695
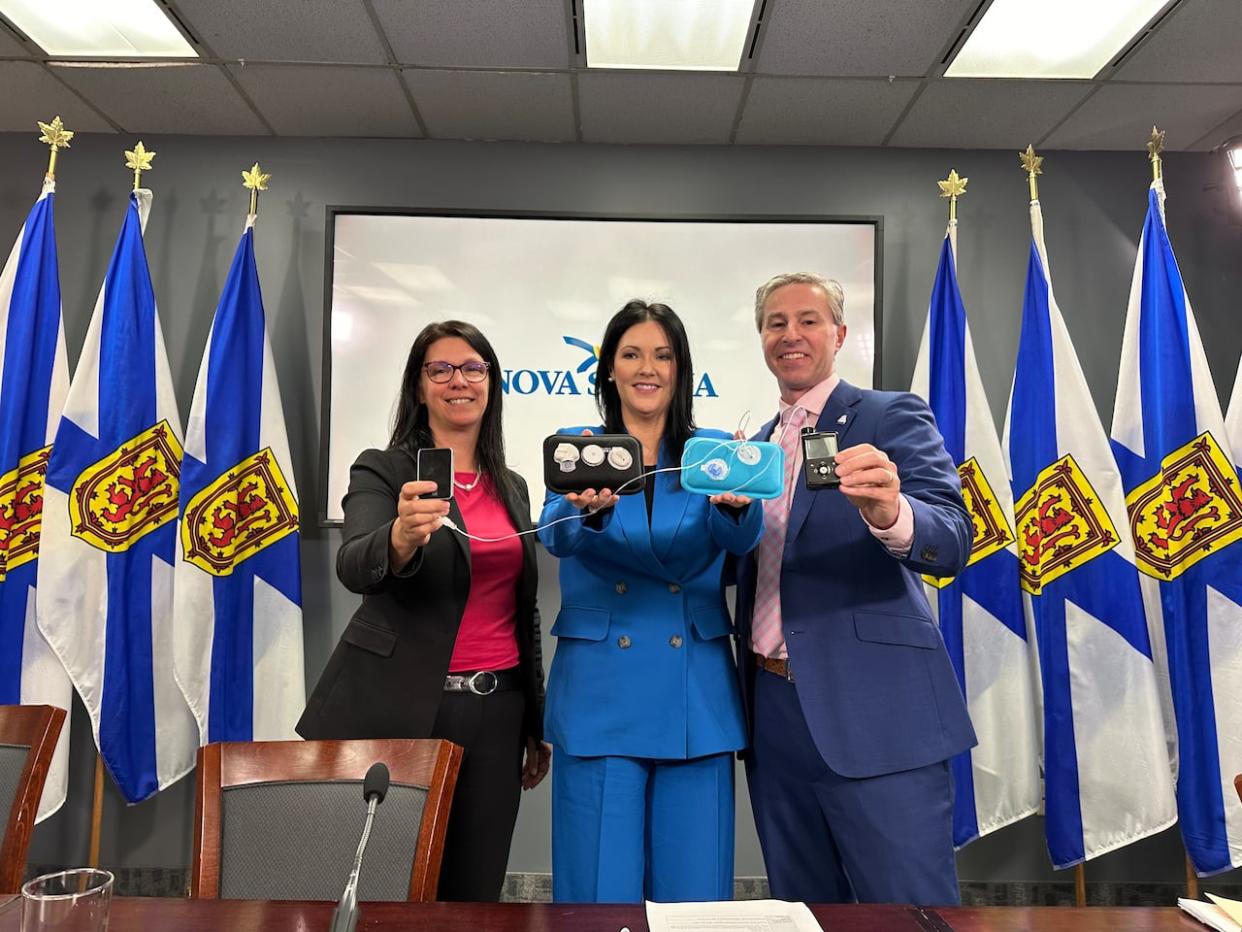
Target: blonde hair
pixel 831 288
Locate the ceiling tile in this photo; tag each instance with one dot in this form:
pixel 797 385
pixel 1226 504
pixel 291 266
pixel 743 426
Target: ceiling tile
pixel 822 111
pixel 328 100
pixel 842 38
pixel 657 108
pixel 476 33
pixel 285 30
pixel 1120 116
pixel 1198 42
pixel 987 114
pixel 197 100
pixel 31 94
pixel 10 45
pixel 494 104
pixel 1217 134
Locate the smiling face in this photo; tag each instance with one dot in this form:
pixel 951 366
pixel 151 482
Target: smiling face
pixel 454 405
pixel 645 371
pixel 800 338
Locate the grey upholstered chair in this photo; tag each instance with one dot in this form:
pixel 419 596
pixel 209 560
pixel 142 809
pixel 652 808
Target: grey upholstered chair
pixel 28 735
pixel 280 820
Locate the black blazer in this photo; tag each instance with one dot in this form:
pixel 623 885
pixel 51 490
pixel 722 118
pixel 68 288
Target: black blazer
pixel 386 677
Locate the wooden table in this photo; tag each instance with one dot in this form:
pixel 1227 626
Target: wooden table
pixel 156 915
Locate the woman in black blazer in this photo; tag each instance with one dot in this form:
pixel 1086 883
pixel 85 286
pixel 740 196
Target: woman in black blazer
pixel 446 641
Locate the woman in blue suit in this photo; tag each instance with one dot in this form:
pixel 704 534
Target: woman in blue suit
pixel 643 707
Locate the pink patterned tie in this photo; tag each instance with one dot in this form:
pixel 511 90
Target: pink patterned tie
pixel 766 635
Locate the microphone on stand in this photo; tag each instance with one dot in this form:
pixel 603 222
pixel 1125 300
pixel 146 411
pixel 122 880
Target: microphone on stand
pixel 374 788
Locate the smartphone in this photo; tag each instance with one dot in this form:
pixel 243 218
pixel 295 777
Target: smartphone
pixel 435 464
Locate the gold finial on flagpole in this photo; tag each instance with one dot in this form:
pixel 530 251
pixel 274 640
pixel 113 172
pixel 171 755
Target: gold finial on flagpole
pixel 1031 164
pixel 256 181
pixel 139 159
pixel 1155 146
pixel 953 187
pixel 56 136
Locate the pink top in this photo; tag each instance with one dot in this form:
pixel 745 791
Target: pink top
pixel 487 638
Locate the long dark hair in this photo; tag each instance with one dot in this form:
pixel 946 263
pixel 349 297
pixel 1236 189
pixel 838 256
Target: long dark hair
pixel 679 425
pixel 411 429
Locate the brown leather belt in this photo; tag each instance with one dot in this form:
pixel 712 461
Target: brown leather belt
pixel 774 665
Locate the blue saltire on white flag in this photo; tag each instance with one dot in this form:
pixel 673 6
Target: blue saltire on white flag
pixel 109 533
pixel 33 384
pixel 1185 506
pixel 1107 775
pixel 980 611
pixel 239 591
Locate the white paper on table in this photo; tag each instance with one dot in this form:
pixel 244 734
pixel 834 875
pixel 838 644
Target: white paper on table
pixel 731 916
pixel 1209 915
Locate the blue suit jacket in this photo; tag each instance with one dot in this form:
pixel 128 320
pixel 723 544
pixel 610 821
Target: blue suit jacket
pixel 644 666
pixel 872 673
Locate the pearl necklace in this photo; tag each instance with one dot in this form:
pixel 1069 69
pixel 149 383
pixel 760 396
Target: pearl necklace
pixel 469 486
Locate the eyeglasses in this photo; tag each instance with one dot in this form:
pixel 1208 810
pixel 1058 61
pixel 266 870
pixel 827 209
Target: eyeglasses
pixel 473 371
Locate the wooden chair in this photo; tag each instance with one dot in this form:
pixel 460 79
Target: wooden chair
pixel 28 735
pixel 282 819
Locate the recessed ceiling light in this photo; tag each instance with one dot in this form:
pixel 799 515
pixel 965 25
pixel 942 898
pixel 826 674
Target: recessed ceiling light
pixel 1052 39
pixel 678 35
pixel 121 28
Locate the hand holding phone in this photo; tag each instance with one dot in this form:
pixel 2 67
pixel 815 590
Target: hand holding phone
pixel 422 506
pixel 418 517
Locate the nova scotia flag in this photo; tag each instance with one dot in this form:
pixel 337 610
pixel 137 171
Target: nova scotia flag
pixel 110 521
pixel 1107 777
pixel 33 384
pixel 1185 505
pixel 239 592
pixel 980 611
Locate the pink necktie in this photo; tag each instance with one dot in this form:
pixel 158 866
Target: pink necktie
pixel 766 635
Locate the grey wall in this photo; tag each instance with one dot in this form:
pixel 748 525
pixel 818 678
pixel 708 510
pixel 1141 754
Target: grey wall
pixel 1093 202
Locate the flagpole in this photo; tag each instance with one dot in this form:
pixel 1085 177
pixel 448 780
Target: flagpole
pixel 92 859
pixel 953 187
pixel 255 181
pixel 1155 145
pixel 138 160
pixel 1032 164
pixel 57 137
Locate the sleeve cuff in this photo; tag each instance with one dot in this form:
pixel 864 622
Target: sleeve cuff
pixel 899 538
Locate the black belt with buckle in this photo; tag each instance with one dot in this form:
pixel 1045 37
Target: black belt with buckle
pixel 482 682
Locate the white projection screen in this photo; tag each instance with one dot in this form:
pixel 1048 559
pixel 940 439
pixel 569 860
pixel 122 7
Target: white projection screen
pixel 542 288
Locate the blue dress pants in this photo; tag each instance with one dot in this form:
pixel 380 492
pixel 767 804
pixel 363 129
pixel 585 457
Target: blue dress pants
pixel 827 838
pixel 627 828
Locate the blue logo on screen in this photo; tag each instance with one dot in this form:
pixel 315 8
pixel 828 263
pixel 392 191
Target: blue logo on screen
pixel 579 380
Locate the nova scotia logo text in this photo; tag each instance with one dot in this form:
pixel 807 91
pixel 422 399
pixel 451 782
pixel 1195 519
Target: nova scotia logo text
pixel 579 380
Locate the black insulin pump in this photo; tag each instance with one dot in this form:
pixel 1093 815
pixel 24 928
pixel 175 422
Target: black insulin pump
pixel 819 459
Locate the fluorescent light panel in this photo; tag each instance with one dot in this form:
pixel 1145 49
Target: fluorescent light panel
pixel 121 28
pixel 677 35
pixel 1051 39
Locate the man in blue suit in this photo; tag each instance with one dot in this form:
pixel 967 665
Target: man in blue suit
pixel 853 706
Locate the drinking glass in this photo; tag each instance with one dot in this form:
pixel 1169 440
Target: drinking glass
pixel 67 901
